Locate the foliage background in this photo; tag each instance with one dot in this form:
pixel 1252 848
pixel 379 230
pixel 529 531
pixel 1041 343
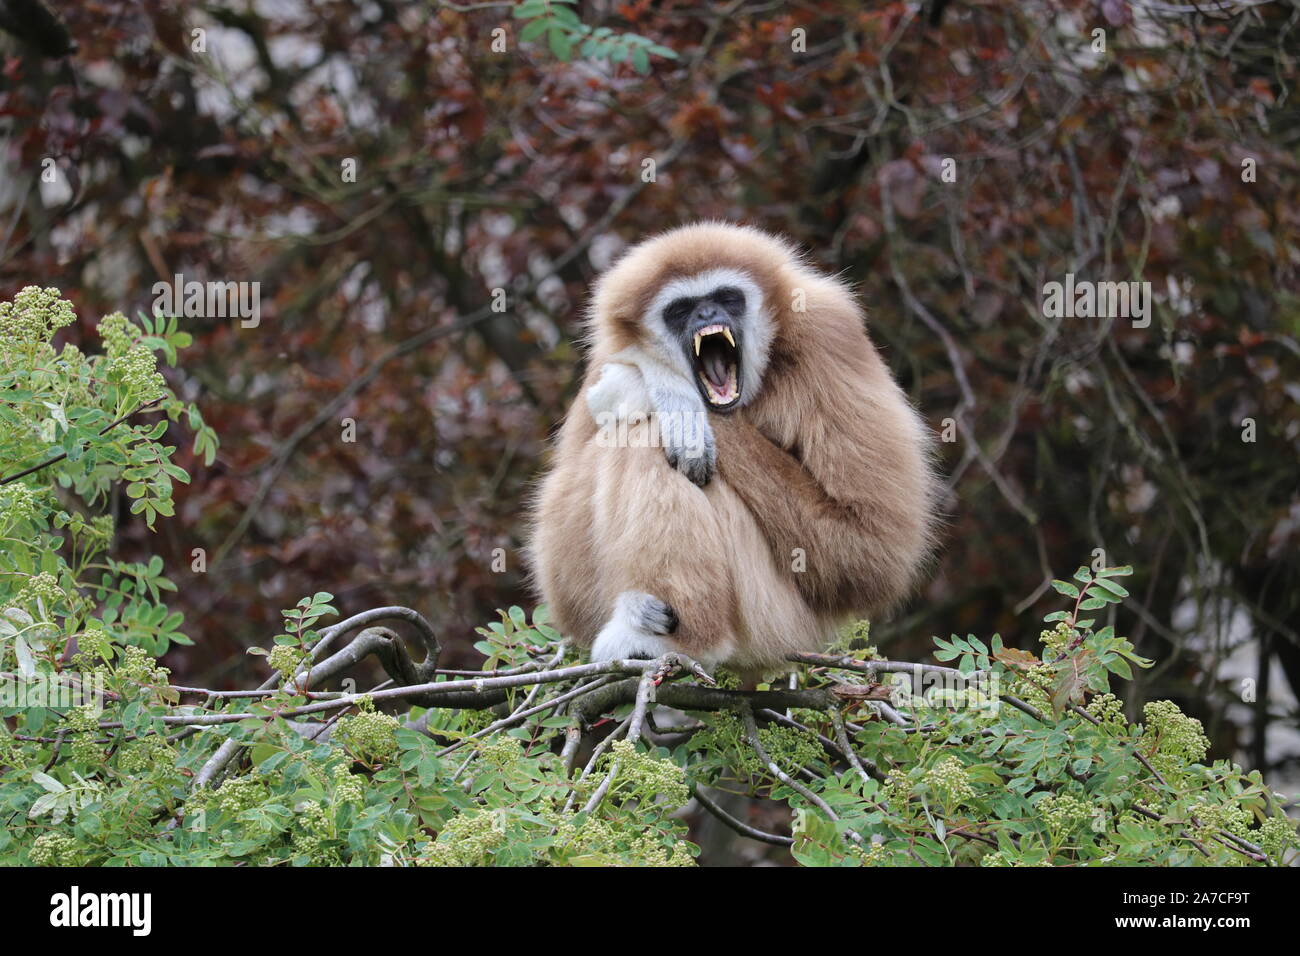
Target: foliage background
pixel 523 170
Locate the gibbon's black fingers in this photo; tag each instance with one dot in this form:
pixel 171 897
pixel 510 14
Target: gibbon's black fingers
pixel 698 469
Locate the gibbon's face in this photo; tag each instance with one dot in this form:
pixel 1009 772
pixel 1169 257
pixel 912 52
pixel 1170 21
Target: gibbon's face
pixel 714 329
pixel 704 301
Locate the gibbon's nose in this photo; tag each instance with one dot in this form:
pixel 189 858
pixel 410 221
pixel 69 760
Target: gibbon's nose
pixel 706 313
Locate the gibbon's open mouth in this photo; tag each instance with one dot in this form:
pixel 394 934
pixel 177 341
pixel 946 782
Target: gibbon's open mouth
pixel 716 361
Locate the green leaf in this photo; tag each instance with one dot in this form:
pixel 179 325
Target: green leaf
pixel 23 654
pixel 48 782
pixel 533 30
pixel 1111 586
pixel 1119 572
pixel 560 43
pixel 529 9
pixel 566 17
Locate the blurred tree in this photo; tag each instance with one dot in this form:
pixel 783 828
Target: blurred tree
pixel 390 172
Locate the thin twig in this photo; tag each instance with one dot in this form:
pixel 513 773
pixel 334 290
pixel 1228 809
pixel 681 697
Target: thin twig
pixel 744 829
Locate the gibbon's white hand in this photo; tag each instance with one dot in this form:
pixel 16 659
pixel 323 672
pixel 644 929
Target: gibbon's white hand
pixel 632 393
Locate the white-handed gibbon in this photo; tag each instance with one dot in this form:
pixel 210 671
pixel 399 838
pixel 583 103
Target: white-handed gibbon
pixel 741 472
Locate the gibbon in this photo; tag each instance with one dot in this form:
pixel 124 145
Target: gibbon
pixel 740 472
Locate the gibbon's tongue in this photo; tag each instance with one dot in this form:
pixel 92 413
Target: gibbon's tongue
pixel 715 367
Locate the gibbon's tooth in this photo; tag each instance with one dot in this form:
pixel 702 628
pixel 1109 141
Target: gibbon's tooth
pixel 727 332
pixel 698 337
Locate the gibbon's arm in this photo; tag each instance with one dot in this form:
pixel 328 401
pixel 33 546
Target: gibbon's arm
pixel 848 509
pixel 632 384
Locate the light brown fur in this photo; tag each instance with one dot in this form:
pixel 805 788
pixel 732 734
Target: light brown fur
pixel 827 457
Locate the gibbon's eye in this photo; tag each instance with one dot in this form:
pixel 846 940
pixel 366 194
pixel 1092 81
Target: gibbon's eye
pixel 677 312
pixel 731 299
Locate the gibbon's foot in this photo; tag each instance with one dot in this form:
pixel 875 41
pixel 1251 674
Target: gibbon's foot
pixel 635 629
pixel 674 661
pixel 615 642
pixel 649 613
pixel 678 659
